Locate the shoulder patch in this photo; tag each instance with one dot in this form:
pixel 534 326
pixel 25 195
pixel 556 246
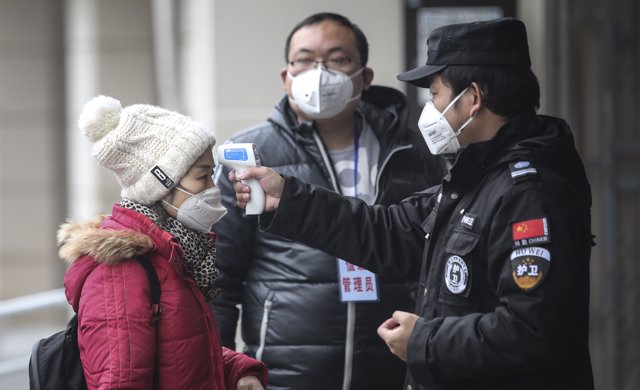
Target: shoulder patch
pixel 529 266
pixel 530 232
pixel 522 170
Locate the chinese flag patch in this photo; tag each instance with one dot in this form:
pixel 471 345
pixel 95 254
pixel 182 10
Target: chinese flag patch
pixel 529 229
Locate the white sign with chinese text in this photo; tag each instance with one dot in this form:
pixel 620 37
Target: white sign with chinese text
pixel 356 283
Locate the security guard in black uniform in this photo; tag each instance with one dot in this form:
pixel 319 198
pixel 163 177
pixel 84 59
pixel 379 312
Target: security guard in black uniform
pixel 502 246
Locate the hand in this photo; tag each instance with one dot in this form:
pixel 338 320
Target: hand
pixel 396 331
pixel 271 182
pixel 249 383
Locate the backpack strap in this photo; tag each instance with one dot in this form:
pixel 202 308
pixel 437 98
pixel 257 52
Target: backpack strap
pixel 154 284
pixel 34 372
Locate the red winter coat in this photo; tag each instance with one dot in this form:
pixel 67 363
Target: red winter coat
pixel 119 346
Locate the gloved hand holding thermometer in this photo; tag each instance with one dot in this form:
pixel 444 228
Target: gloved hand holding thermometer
pixel 240 157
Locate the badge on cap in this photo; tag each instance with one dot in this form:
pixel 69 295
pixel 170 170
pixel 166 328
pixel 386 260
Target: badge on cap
pixel 456 275
pixel 529 266
pixel 530 232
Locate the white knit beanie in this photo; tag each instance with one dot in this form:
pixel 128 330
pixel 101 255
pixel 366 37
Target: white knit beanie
pixel 148 148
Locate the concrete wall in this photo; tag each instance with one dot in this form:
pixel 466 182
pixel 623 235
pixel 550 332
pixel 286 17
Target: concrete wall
pixel 32 144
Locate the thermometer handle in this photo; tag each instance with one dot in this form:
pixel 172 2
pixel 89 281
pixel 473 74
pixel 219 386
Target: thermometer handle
pixel 255 205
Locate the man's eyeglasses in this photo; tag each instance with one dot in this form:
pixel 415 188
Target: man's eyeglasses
pixel 339 64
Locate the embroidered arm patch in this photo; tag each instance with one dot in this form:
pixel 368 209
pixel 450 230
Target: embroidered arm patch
pixel 529 266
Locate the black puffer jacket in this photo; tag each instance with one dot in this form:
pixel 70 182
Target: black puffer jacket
pixel 502 248
pixel 292 317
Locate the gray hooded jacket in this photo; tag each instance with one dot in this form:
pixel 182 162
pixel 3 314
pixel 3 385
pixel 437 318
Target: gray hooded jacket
pixel 292 316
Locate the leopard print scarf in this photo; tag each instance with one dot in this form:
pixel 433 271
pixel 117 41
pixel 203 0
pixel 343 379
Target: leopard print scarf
pixel 199 248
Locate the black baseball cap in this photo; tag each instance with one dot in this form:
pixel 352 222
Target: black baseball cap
pixel 500 42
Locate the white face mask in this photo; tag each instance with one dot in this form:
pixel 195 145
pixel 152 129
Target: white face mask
pixel 322 93
pixel 201 210
pixel 437 131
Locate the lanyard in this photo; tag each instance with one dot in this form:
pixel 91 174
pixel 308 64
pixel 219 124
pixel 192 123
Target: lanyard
pixel 356 284
pixel 356 144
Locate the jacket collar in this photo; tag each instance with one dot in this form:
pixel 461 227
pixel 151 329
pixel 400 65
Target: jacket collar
pixel 111 239
pixel 529 137
pixel 384 108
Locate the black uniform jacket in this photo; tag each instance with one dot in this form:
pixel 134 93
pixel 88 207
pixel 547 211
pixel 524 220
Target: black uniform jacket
pixel 292 316
pixel 502 248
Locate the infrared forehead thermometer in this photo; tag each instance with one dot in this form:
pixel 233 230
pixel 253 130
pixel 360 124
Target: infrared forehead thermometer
pixel 239 157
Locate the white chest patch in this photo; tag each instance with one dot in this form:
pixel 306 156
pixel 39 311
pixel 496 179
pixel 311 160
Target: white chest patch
pixel 456 275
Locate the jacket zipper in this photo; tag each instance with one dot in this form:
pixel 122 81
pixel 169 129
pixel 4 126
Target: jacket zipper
pixel 263 325
pixel 384 164
pixel 351 318
pixel 348 345
pixel 327 162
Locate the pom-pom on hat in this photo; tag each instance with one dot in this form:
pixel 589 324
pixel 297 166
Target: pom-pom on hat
pixel 148 148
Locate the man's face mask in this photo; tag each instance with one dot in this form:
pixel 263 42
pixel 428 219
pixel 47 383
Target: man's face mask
pixel 322 93
pixel 436 130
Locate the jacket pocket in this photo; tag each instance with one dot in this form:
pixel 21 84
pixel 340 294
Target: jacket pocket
pixel 458 269
pixel 462 242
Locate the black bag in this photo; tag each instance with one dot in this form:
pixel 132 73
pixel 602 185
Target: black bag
pixel 55 360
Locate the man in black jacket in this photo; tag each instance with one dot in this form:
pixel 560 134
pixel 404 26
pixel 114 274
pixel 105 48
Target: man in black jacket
pixel 502 246
pixel 337 131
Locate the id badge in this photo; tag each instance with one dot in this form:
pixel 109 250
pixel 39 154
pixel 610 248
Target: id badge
pixel 356 283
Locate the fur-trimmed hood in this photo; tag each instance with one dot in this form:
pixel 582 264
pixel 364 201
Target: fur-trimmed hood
pixel 106 246
pixel 109 241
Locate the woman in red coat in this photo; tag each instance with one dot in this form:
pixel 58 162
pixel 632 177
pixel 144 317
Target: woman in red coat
pixel 163 162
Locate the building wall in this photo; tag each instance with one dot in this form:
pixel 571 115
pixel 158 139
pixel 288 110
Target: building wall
pixel 601 58
pixel 32 144
pixel 108 51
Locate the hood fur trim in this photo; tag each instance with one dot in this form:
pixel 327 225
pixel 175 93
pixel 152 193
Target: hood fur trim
pixel 105 246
